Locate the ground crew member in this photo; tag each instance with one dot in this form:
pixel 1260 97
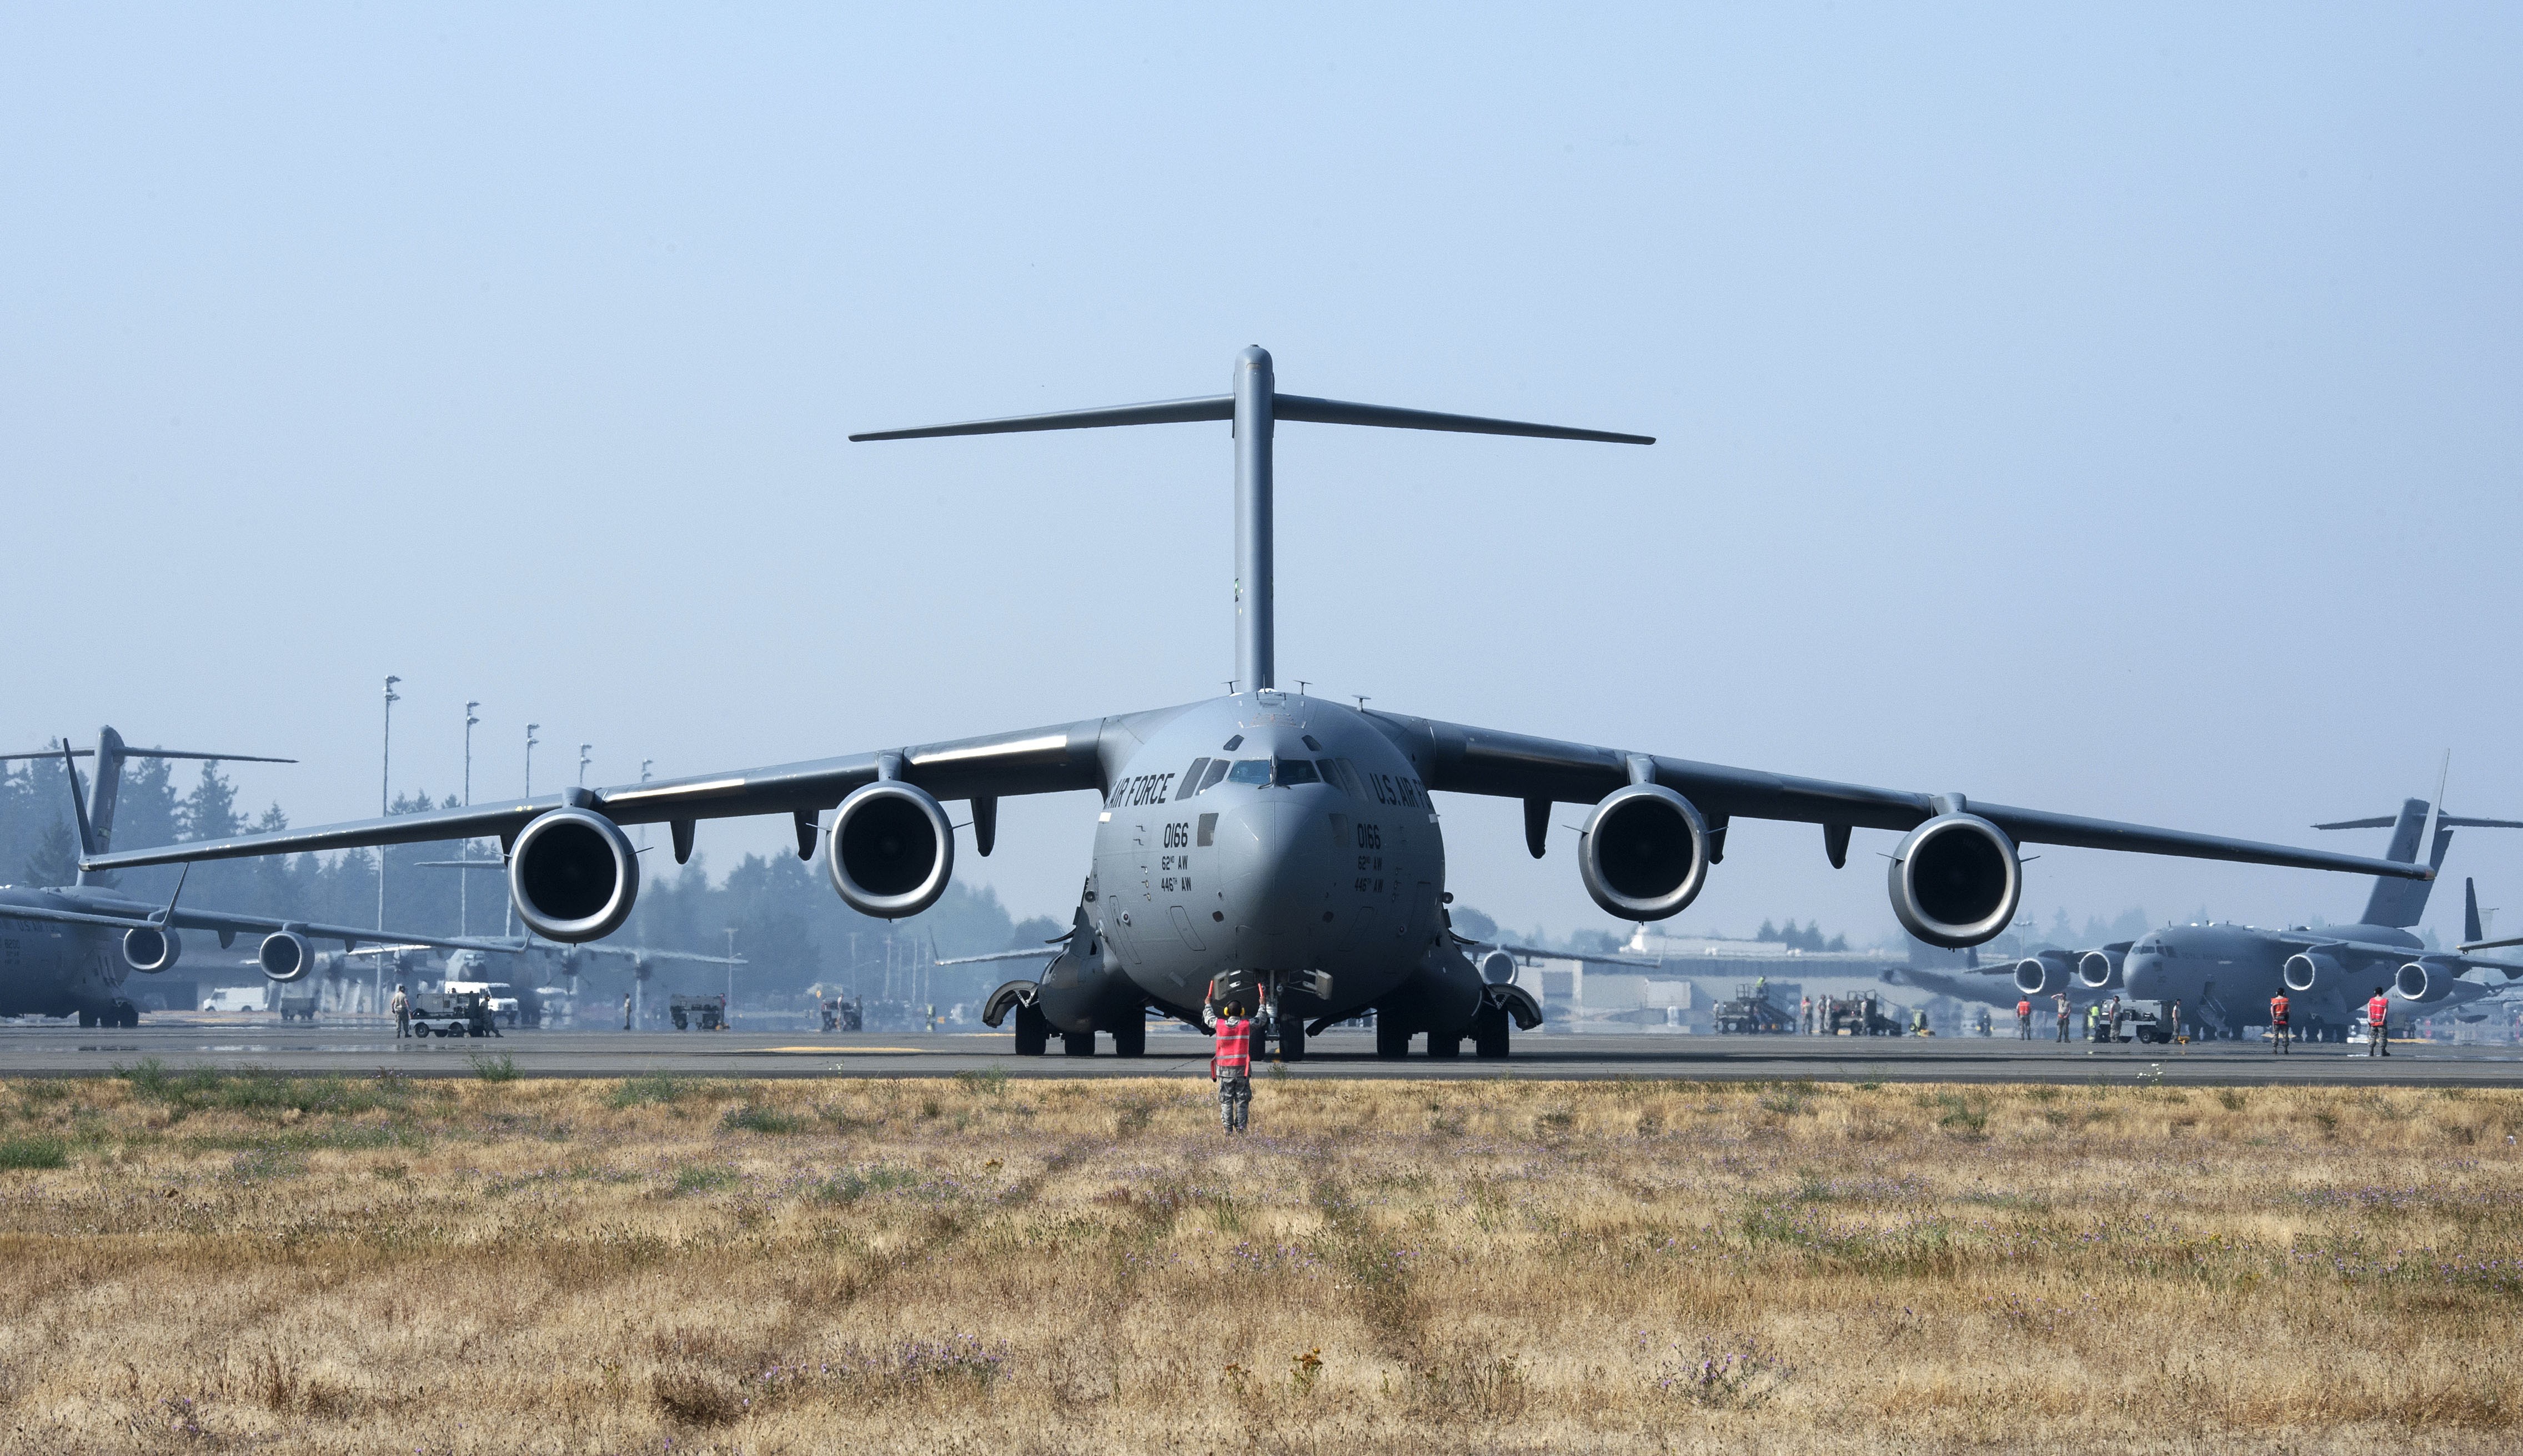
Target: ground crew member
pixel 1805 1016
pixel 2378 1025
pixel 2063 1016
pixel 2094 1023
pixel 2024 1019
pixel 1231 1064
pixel 401 1006
pixel 1984 1022
pixel 2278 1025
pixel 626 1010
pixel 2112 1018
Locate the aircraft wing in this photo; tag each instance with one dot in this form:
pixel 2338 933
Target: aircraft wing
pixel 1539 953
pixel 1035 761
pixel 1981 986
pixel 644 953
pixel 136 916
pixel 1459 759
pixel 1045 953
pixel 2377 951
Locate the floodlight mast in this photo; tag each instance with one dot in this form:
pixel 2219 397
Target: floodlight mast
pixel 1256 407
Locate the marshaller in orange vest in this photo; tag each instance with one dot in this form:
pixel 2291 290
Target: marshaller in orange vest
pixel 1232 1063
pixel 2378 1025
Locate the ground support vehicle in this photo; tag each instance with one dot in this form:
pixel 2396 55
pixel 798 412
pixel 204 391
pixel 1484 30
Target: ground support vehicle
pixel 1751 1012
pixel 300 1007
pixel 708 1012
pixel 451 1013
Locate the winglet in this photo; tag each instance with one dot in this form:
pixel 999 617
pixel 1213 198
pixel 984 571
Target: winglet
pixel 2471 930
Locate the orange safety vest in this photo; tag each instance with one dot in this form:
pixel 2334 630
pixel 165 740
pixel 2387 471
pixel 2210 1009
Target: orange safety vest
pixel 2278 1011
pixel 2023 1008
pixel 1234 1051
pixel 2377 1012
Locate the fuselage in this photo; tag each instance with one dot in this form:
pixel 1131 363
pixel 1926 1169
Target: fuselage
pixel 1267 833
pixel 54 969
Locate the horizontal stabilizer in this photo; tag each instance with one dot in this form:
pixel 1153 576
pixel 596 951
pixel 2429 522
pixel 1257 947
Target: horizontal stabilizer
pixel 1159 412
pixel 224 758
pixel 1282 406
pixel 2443 822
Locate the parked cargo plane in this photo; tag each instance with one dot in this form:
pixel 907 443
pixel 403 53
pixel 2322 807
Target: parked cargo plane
pixel 68 949
pixel 1267 843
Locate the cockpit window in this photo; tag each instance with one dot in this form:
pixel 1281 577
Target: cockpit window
pixel 1216 772
pixel 1190 780
pixel 1293 771
pixel 1249 771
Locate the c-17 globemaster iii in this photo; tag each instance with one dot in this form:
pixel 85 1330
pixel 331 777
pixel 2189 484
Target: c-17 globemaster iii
pixel 68 949
pixel 1266 845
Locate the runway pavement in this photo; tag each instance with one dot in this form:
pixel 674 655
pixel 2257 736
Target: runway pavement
pixel 237 1043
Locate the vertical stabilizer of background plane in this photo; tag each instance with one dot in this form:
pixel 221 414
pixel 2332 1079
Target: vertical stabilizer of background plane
pixel 110 753
pixel 2403 902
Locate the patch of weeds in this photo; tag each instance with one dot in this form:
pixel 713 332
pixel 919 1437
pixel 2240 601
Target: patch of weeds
pixel 1965 1118
pixel 266 1165
pixel 256 1090
pixel 1303 1371
pixel 1791 1099
pixel 2232 1098
pixel 1735 1374
pixel 929 1106
pixel 1869 1087
pixel 34 1152
pixel 754 1117
pixel 856 1184
pixel 2043 1093
pixel 392 1172
pixel 499 1068
pixel 989 1082
pixel 702 1178
pixel 656 1089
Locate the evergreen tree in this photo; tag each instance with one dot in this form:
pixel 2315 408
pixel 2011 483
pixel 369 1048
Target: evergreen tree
pixel 208 812
pixel 1767 931
pixel 1470 922
pixel 54 861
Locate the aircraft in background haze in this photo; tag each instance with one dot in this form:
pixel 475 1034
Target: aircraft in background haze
pixel 60 949
pixel 1264 844
pixel 2225 974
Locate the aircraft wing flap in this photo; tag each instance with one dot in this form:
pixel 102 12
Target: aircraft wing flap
pixel 73 916
pixel 1539 953
pixel 1042 953
pixel 1480 761
pixel 349 935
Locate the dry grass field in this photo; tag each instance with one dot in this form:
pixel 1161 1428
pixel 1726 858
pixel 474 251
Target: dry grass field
pixel 270 1264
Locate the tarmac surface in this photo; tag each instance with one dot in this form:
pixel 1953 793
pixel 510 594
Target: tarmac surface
pixel 237 1043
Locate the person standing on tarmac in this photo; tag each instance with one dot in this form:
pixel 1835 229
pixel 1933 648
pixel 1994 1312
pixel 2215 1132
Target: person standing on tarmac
pixel 626 1010
pixel 2378 1025
pixel 2063 1017
pixel 2024 1019
pixel 401 1006
pixel 1804 1017
pixel 2278 1026
pixel 1231 1064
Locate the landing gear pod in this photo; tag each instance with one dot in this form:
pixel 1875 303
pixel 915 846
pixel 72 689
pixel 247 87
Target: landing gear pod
pixel 892 849
pixel 151 949
pixel 1955 881
pixel 573 877
pixel 285 956
pixel 1643 852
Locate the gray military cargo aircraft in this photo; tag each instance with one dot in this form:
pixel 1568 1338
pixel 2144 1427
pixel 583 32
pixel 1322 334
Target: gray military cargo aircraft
pixel 2225 974
pixel 1266 844
pixel 67 950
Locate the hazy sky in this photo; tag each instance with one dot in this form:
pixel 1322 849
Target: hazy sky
pixel 2114 411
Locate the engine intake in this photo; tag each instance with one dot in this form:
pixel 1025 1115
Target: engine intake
pixel 2416 980
pixel 1955 881
pixel 2043 974
pixel 573 876
pixel 1643 852
pixel 2099 970
pixel 151 949
pixel 2307 970
pixel 891 849
pixel 285 956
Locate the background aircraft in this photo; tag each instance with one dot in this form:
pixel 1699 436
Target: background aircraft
pixel 2225 974
pixel 68 949
pixel 1268 843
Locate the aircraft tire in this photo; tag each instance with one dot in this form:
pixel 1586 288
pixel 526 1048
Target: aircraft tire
pixel 1392 1039
pixel 1292 1043
pixel 1490 1032
pixel 87 1018
pixel 1033 1031
pixel 1078 1043
pixel 1132 1038
pixel 1445 1047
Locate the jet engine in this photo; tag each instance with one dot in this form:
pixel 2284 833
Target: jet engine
pixel 2416 980
pixel 151 949
pixel 1643 852
pixel 2043 974
pixel 2100 970
pixel 891 849
pixel 1498 967
pixel 1955 881
pixel 2310 970
pixel 285 956
pixel 573 876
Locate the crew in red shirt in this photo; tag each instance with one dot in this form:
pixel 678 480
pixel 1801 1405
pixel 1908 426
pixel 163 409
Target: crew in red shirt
pixel 2024 1019
pixel 2278 1038
pixel 2378 1025
pixel 1231 1064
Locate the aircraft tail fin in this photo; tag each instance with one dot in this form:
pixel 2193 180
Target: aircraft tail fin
pixel 110 753
pixel 2404 901
pixel 2470 928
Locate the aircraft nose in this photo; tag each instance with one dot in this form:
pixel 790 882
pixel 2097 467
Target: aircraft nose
pixel 1273 874
pixel 2142 978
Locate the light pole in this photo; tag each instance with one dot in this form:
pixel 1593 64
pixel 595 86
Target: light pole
pixel 508 921
pixel 731 976
pixel 583 760
pixel 384 806
pixel 644 778
pixel 464 883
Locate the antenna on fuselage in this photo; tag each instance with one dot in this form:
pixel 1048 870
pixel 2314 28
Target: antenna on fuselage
pixel 1256 405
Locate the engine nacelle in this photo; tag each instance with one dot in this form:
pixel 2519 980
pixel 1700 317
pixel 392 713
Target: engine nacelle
pixel 1955 881
pixel 2044 975
pixel 890 850
pixel 1643 852
pixel 2310 970
pixel 2418 981
pixel 2100 970
pixel 573 876
pixel 1498 967
pixel 285 956
pixel 151 947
